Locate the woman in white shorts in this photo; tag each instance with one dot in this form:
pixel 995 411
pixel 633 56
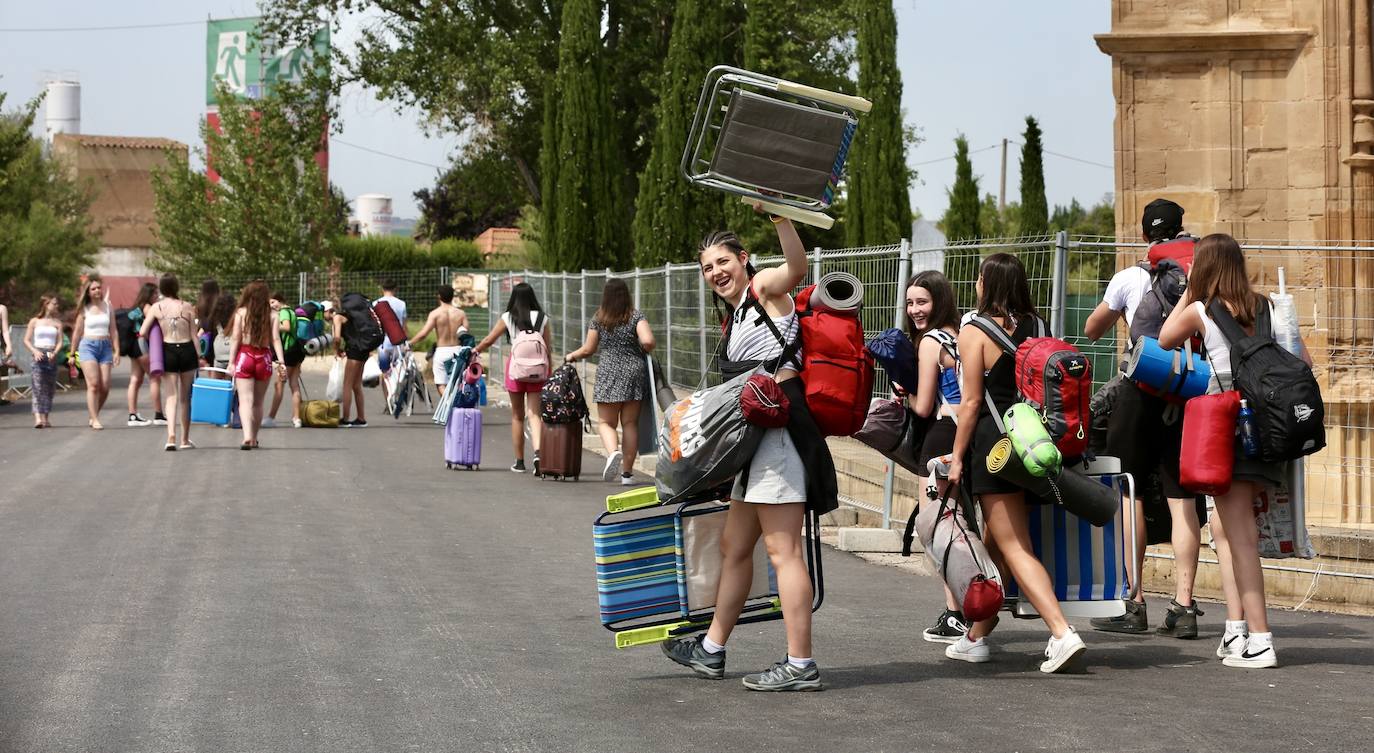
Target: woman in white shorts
pixel 791 471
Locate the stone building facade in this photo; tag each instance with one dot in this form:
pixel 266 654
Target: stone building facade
pixel 1257 116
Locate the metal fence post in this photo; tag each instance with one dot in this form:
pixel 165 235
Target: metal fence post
pixel 563 317
pixel 701 326
pixel 898 317
pixel 302 297
pixel 636 275
pixel 815 265
pixel 582 314
pixel 1059 290
pixel 668 321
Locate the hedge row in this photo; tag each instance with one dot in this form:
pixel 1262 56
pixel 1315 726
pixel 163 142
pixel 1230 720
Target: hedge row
pixel 389 254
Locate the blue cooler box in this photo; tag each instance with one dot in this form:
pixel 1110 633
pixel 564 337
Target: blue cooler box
pixel 212 399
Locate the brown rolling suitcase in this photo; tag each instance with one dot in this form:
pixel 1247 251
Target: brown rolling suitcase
pixel 560 451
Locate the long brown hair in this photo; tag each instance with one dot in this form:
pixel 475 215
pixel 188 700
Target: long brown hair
pixel 1006 291
pixel 943 311
pixel 1219 273
pixel 205 302
pixel 616 306
pixel 43 302
pixel 257 320
pixel 85 299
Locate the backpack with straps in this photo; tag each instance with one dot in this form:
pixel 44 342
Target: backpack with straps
pixel 562 401
pixel 1280 389
pixel 1054 378
pixel 836 370
pixel 1168 282
pixel 309 320
pixel 529 354
pixel 366 331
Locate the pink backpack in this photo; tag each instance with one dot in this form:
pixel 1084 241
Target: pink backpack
pixel 529 356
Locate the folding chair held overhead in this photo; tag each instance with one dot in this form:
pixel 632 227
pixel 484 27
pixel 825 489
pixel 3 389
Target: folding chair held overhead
pixel 773 141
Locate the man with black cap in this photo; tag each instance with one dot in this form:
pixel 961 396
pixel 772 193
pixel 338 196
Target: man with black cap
pixel 1145 430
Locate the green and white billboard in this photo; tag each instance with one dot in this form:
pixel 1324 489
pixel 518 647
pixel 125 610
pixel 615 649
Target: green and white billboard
pixel 249 64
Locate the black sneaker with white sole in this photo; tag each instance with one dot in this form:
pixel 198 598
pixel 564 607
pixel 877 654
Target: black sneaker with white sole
pixel 949 628
pixel 1134 621
pixel 783 676
pixel 1180 621
pixel 688 651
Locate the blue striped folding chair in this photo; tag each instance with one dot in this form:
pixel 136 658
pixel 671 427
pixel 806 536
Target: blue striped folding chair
pixel 1089 565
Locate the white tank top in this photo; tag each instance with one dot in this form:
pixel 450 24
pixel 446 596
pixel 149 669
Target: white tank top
pixel 45 337
pixel 752 340
pixel 1218 349
pixel 98 324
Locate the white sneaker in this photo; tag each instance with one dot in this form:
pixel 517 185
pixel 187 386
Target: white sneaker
pixel 627 479
pixel 612 468
pixel 269 423
pixel 1253 657
pixel 1231 645
pixel 295 423
pixel 1061 652
pixel 964 649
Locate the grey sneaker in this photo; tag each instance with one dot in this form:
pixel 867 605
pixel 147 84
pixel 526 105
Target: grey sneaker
pixel 784 677
pixel 1180 621
pixel 1134 621
pixel 689 652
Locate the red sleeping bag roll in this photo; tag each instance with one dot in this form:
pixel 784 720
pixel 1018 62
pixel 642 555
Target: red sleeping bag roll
pixel 1208 454
pixel 391 325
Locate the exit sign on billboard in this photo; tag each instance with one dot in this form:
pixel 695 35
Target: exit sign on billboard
pixel 249 64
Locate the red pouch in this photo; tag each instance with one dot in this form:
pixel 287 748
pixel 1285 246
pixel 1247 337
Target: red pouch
pixel 982 600
pixel 764 403
pixel 1208 453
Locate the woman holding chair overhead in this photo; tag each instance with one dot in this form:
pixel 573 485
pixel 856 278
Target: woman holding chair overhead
pixel 989 375
pixel 790 472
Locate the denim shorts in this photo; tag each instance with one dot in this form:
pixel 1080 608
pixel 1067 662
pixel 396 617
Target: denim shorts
pixel 96 351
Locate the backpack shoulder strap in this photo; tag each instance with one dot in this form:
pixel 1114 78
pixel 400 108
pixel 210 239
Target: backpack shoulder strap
pixel 1229 326
pixel 994 330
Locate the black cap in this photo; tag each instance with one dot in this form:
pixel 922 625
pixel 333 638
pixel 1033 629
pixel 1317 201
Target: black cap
pixel 1162 219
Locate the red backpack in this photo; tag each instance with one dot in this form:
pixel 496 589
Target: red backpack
pixel 836 369
pixel 1053 377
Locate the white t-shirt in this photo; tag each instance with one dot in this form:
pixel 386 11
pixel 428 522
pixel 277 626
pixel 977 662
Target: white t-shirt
pixel 1126 290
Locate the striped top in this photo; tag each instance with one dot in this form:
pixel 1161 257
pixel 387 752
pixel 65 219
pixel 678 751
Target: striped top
pixel 752 340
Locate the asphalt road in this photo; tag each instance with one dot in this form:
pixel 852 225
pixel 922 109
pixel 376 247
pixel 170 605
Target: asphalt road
pixel 341 591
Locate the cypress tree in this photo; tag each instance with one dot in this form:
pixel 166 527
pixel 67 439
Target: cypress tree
pixel 589 222
pixel 960 223
pixel 548 180
pixel 671 215
pixel 879 207
pixel 1035 212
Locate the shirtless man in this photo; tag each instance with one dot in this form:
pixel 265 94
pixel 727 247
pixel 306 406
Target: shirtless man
pixel 447 322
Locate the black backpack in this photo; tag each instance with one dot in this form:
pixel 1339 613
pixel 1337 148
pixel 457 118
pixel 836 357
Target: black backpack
pixel 1168 282
pixel 1280 388
pixel 364 331
pixel 561 401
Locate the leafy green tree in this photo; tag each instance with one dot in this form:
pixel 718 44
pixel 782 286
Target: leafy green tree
pixel 879 209
pixel 46 238
pixel 271 212
pixel 590 214
pixel 479 190
pixel 671 215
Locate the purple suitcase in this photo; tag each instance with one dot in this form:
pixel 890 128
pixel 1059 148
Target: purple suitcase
pixel 463 439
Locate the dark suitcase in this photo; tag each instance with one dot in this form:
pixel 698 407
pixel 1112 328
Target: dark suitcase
pixel 560 450
pixel 463 439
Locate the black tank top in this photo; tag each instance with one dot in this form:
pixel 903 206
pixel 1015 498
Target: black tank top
pixel 1000 380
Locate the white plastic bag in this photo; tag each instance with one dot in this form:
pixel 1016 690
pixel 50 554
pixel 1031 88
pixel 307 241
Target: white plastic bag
pixel 1281 520
pixel 333 390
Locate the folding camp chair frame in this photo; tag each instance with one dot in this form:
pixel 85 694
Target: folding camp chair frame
pixel 640 631
pixel 721 81
pixel 1101 467
pixel 444 406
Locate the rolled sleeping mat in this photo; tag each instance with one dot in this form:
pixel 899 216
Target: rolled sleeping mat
pixel 1031 441
pixel 473 373
pixel 316 344
pixel 155 363
pixel 838 291
pixel 1084 496
pixel 1164 372
pixel 391 324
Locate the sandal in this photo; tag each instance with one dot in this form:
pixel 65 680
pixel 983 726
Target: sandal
pixel 170 447
pixel 187 444
pixel 96 425
pixel 245 446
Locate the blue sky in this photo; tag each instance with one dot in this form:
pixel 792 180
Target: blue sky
pixel 976 68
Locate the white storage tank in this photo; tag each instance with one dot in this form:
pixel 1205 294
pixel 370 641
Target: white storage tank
pixel 63 109
pixel 374 214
